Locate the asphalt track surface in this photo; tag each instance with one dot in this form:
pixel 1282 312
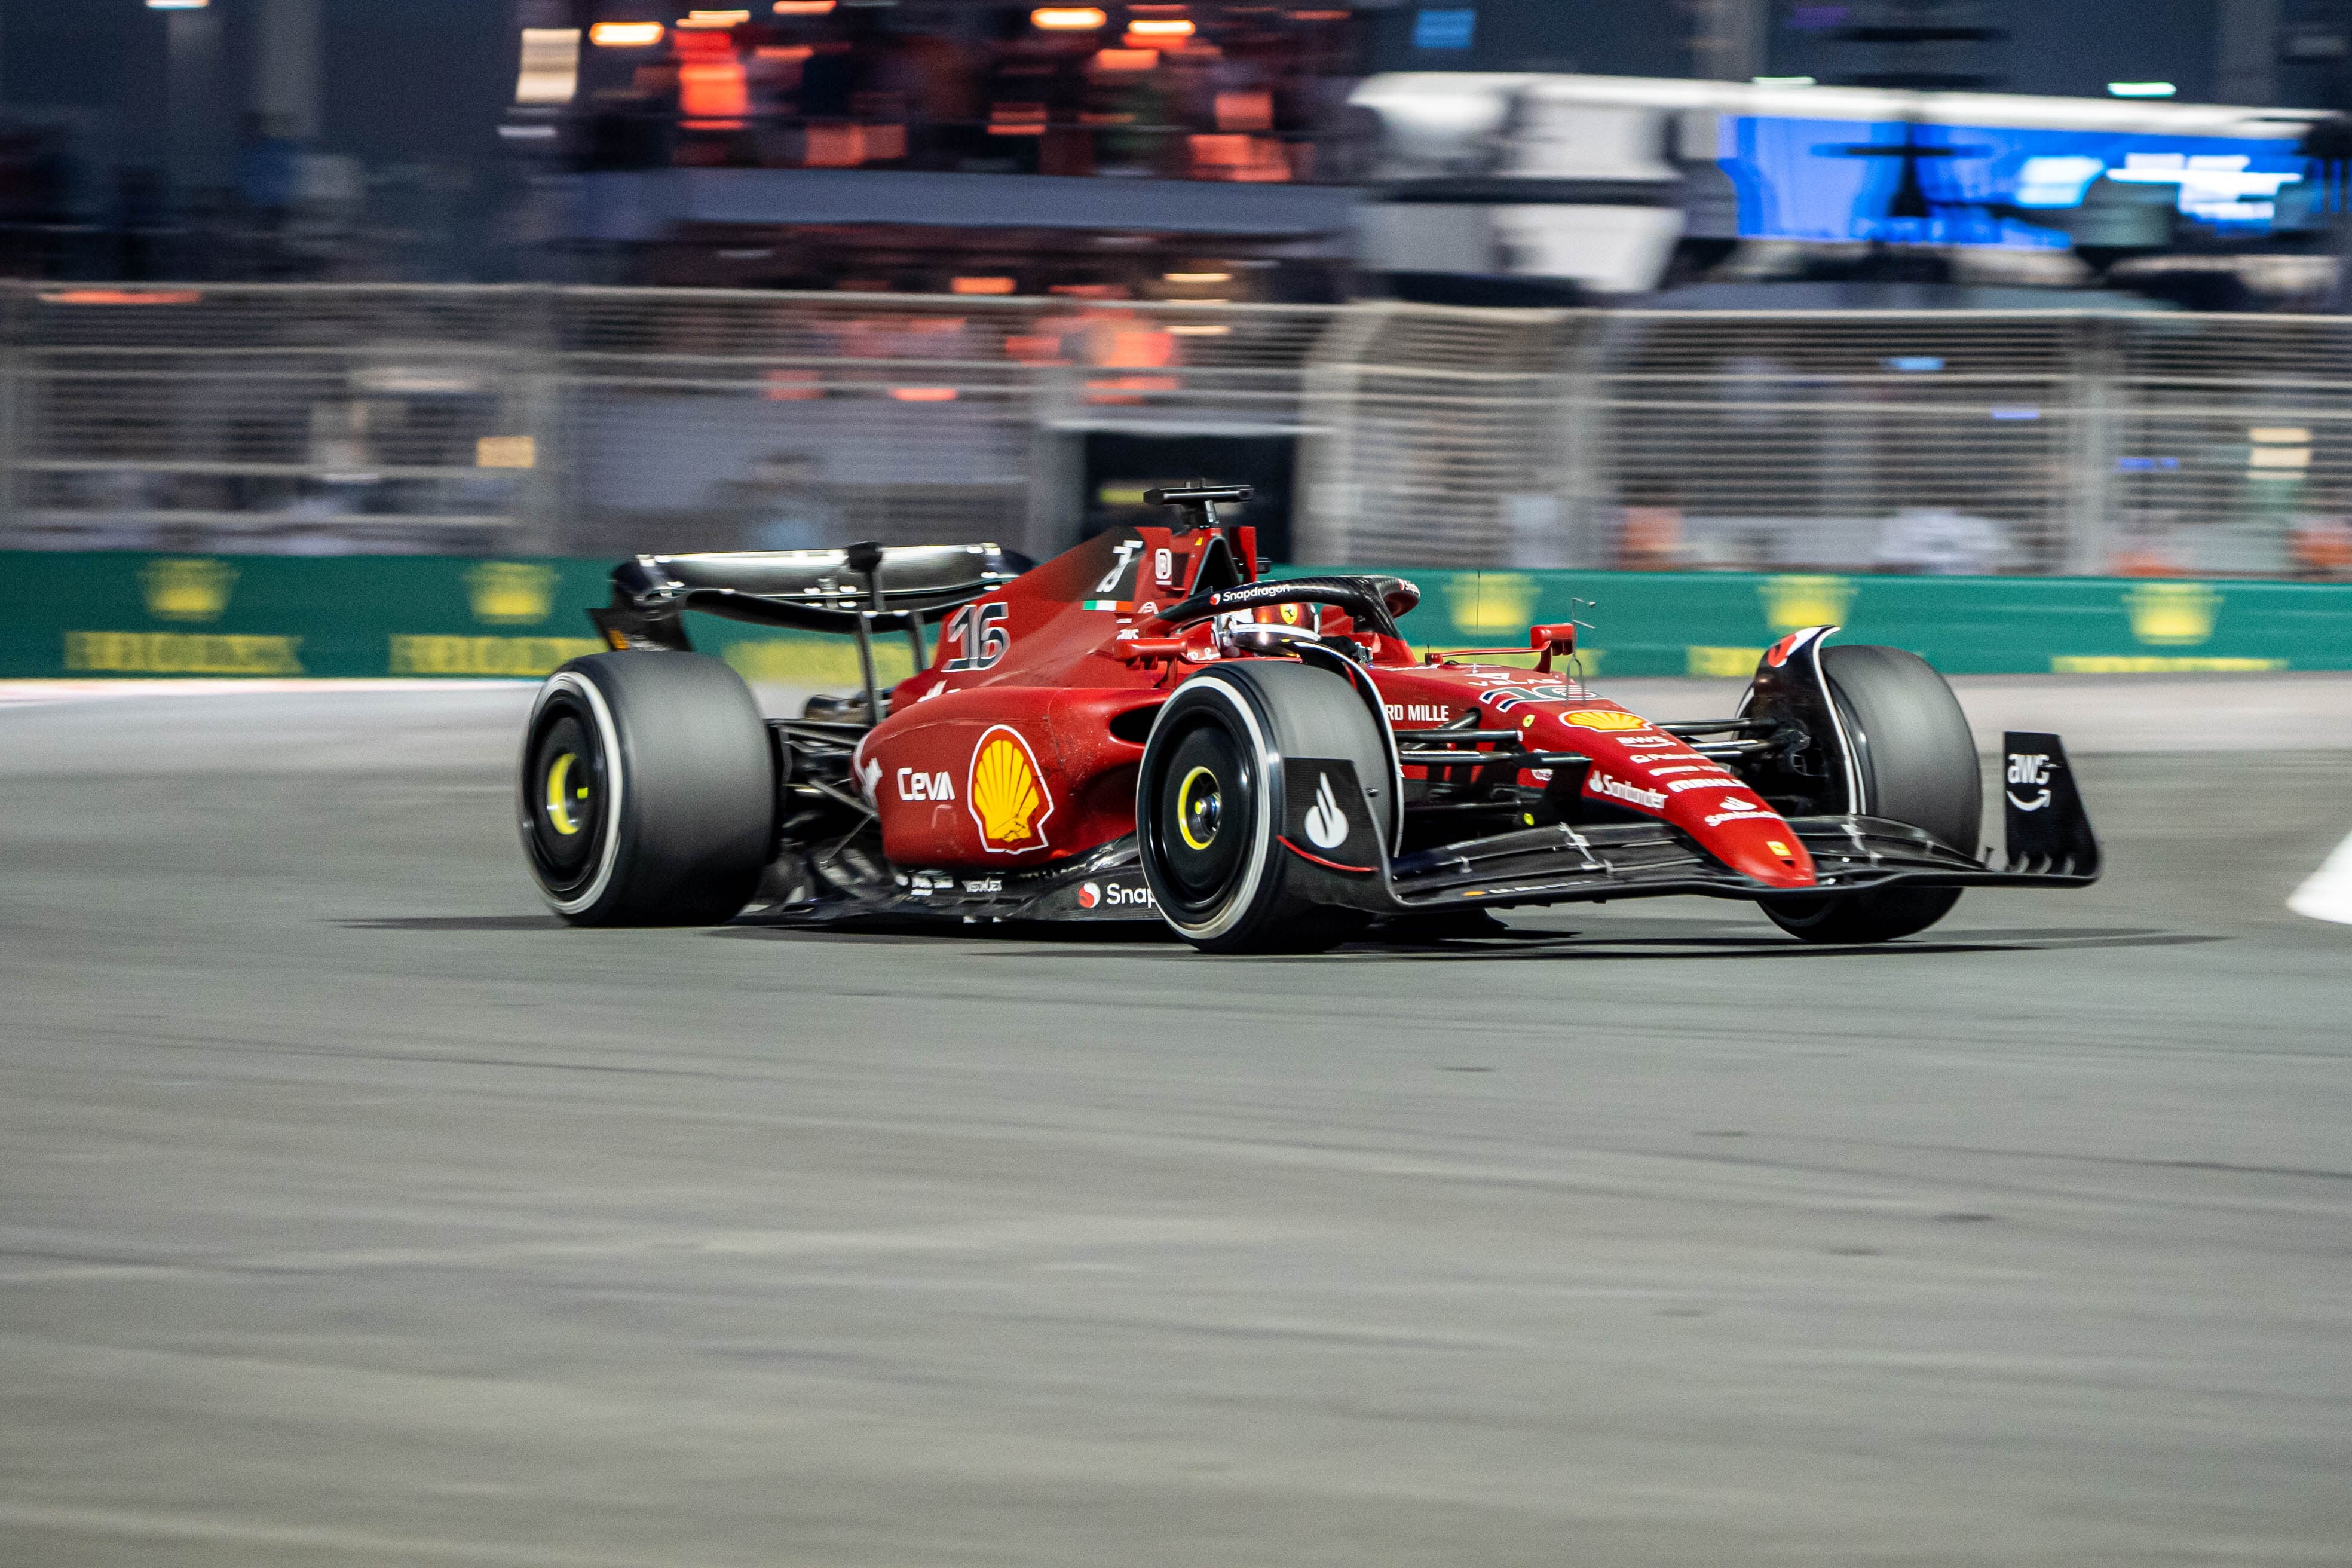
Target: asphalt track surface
pixel 351 1211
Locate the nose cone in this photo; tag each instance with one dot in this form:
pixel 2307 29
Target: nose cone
pixel 1654 772
pixel 1770 852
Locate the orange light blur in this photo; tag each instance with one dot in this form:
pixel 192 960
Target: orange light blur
pixel 1127 389
pixel 1035 348
pixel 793 385
pixel 710 90
pixel 123 297
pixel 1159 28
pixel 1016 120
pixel 625 35
pixel 1249 160
pixel 981 286
pixel 1318 15
pixel 924 393
pixel 1067 18
pixel 1126 59
pixel 804 7
pixel 1248 109
pixel 714 18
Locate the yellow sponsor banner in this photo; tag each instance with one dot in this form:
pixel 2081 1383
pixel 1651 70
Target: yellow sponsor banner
pixel 181 653
pixel 2155 664
pixel 1733 662
pixel 816 665
pixel 486 656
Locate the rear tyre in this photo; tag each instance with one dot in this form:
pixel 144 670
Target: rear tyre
pixel 1918 763
pixel 1209 797
pixel 648 791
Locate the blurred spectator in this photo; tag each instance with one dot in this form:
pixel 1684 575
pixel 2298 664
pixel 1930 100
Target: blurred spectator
pixel 1650 538
pixel 138 211
pixel 784 505
pixel 1941 541
pixel 269 172
pixel 2321 547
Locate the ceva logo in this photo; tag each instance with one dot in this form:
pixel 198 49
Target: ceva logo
pixel 187 590
pixel 511 593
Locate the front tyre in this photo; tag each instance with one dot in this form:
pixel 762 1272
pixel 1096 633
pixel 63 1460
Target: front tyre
pixel 1209 803
pixel 648 791
pixel 1917 765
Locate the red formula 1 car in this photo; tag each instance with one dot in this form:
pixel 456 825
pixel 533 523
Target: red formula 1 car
pixel 1145 728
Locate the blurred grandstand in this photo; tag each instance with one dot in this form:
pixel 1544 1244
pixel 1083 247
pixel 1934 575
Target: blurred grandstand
pixel 821 270
pixel 595 421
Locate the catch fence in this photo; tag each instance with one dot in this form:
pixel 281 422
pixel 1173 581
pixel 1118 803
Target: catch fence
pixel 528 419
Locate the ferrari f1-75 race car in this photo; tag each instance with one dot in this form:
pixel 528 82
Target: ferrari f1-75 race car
pixel 1146 728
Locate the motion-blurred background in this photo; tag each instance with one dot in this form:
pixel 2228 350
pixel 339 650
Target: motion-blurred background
pixel 1962 287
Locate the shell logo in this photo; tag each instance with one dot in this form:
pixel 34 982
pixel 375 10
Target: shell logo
pixel 511 593
pixel 2175 614
pixel 187 590
pixel 1006 792
pixel 1604 718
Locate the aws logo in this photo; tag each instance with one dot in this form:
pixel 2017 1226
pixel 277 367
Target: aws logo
pixel 1007 794
pixel 2029 776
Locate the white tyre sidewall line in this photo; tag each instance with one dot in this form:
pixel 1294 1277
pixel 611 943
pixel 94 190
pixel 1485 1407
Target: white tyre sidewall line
pixel 1269 773
pixel 608 739
pixel 2326 893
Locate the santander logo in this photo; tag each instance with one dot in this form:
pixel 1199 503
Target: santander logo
pixel 1614 788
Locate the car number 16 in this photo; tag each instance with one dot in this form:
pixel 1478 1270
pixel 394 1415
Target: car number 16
pixel 978 630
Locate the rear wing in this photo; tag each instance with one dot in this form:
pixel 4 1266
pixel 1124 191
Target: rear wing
pixel 863 589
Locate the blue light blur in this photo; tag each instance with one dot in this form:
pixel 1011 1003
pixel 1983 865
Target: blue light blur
pixel 1845 180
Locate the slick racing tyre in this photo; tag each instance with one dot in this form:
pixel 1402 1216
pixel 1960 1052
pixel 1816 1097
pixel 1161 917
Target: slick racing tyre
pixel 1210 803
pixel 1918 765
pixel 648 792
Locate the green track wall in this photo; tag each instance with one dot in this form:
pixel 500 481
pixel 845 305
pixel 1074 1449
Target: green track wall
pixel 120 615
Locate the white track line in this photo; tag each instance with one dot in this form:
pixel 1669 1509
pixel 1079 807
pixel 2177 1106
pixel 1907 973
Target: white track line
pixel 2326 893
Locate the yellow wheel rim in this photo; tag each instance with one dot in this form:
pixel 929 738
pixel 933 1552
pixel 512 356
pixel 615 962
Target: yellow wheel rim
pixel 560 796
pixel 1184 807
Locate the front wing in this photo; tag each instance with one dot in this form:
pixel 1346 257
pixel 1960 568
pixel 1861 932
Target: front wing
pixel 1565 865
pixel 2050 844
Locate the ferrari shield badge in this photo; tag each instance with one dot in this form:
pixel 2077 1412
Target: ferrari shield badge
pixel 1007 793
